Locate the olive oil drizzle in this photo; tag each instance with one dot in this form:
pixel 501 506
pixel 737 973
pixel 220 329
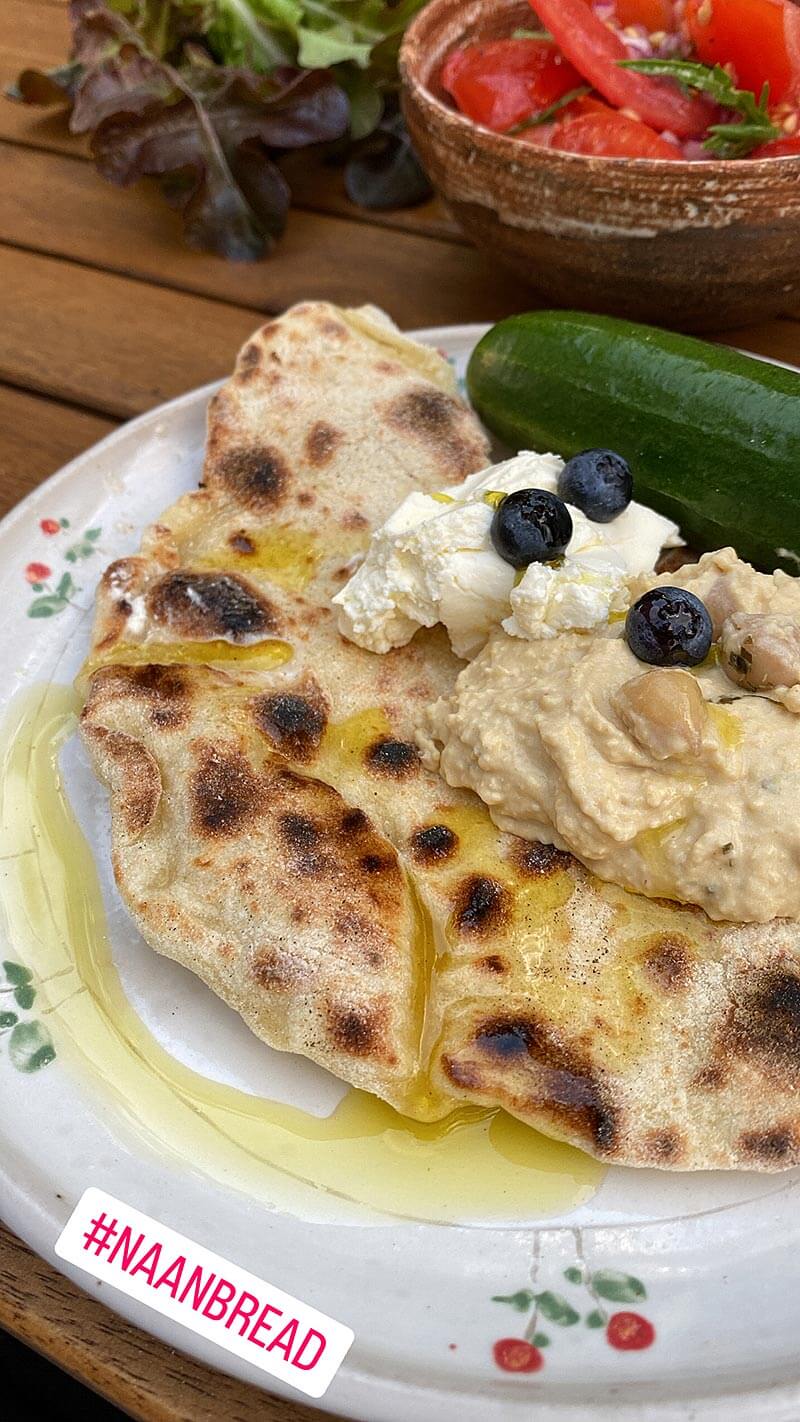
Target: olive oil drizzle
pixel 475 1166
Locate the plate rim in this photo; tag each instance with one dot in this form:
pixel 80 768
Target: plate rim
pixel 778 1402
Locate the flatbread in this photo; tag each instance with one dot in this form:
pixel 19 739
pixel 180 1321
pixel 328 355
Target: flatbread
pixel 275 831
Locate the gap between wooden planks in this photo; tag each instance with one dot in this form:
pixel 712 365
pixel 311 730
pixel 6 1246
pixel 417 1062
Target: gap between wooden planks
pixel 120 346
pixel 418 280
pixel 37 437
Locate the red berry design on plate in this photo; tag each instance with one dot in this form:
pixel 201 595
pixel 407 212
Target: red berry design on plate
pixel 517 1355
pixel 50 525
pixel 37 572
pixel 630 1331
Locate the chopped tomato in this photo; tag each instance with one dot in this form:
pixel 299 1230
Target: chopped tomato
pixel 777 148
pixel 596 51
pixel 759 38
pixel 653 14
pixel 607 134
pixel 500 83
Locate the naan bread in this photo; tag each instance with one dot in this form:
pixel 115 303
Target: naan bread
pixel 275 831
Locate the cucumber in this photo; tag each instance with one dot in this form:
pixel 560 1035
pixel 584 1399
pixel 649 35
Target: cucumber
pixel 712 436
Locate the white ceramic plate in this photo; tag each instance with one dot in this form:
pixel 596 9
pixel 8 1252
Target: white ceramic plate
pixel 706 1262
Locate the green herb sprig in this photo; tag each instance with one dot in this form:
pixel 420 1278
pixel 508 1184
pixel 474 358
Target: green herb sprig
pixel 725 140
pixel 536 120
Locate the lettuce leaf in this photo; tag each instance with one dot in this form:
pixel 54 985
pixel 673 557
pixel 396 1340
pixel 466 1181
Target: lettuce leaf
pixel 207 132
pixel 317 33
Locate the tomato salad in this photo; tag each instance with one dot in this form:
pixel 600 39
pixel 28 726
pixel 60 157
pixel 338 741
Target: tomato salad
pixel 672 79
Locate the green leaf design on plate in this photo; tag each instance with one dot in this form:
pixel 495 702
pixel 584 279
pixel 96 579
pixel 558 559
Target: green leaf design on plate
pixel 30 1046
pixel 7 1019
pixel 25 996
pixel 596 1319
pixel 540 1340
pixel 65 586
pixel 573 1275
pixel 46 606
pixel 619 1288
pixel 521 1301
pixel 92 534
pixel 16 973
pixel 556 1309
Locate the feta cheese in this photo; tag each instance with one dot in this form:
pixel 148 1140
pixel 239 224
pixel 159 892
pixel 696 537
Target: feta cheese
pixel 434 561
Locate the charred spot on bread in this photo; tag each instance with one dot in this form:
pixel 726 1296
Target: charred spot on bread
pixel 668 962
pixel 361 937
pixel 225 791
pixel 278 970
pixel 433 844
pixel 133 774
pixel 764 1021
pixel 439 421
pixel 322 442
pixel 711 1077
pixel 359 1031
pixel 391 757
pixel 533 860
pixel 204 606
pixel 481 907
pixel 565 1084
pixel 164 690
pixel 493 963
pixel 777 1145
pixel 295 721
pixel 256 477
pixel 664 1146
pixel 299 832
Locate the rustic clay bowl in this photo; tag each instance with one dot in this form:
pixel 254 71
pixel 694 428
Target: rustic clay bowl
pixel 691 245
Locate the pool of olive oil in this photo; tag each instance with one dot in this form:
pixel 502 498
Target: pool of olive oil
pixel 476 1166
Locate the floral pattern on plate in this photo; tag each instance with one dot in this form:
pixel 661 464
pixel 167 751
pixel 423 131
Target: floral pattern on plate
pixel 624 1329
pixel 52 597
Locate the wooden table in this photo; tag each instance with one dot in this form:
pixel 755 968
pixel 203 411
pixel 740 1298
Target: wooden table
pixel 103 314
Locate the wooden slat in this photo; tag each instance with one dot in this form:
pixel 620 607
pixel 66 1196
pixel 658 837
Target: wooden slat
pixel 134 232
pixel 146 1379
pixel 105 342
pixel 37 436
pixel 33 34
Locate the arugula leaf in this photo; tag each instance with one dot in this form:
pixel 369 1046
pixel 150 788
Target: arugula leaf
pixel 726 140
pixel 546 114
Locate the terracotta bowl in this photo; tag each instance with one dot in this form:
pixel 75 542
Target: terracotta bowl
pixel 690 245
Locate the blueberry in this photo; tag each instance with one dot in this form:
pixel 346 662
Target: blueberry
pixel 531 526
pixel 599 483
pixel 669 627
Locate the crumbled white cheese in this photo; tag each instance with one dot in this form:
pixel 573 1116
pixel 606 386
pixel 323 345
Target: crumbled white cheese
pixel 574 595
pixel 434 561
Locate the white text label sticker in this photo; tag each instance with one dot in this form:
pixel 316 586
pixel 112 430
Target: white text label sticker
pixel 189 1283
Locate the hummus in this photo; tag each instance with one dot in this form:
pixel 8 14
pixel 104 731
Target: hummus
pixel 675 783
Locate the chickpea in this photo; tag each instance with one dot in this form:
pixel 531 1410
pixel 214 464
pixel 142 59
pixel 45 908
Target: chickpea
pixel 664 711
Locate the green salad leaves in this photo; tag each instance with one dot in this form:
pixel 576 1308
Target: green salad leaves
pixel 203 95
